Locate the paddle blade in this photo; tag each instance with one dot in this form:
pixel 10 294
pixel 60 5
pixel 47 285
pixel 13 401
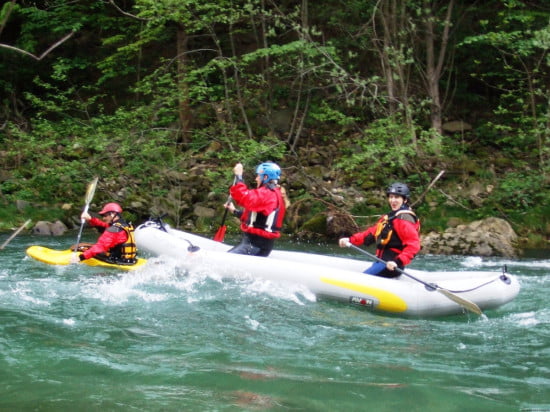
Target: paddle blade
pixel 91 190
pixel 220 234
pixel 471 306
pixel 89 196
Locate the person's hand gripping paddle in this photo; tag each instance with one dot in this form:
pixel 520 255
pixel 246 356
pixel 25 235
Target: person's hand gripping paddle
pixel 220 234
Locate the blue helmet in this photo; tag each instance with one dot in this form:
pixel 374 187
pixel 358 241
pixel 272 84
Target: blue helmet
pixel 269 169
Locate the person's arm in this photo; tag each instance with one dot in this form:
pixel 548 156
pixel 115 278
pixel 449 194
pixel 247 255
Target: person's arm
pixel 104 243
pixel 234 211
pixel 366 237
pixel 363 238
pixel 93 221
pixel 410 238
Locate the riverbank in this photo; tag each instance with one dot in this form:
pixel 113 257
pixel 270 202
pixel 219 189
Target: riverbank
pixel 325 203
pixel 433 243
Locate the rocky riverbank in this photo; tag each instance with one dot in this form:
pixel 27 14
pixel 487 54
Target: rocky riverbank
pixel 324 206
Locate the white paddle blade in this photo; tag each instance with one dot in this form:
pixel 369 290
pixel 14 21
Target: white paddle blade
pixel 467 304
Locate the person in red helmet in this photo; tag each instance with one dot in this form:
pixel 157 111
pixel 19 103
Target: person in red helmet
pixel 116 243
pixel 396 234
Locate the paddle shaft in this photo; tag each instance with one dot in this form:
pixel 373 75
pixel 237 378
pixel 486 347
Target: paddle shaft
pixel 89 196
pixel 227 202
pixel 471 306
pixel 221 230
pixel 225 213
pixel 82 221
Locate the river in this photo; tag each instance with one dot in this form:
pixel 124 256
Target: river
pixel 160 339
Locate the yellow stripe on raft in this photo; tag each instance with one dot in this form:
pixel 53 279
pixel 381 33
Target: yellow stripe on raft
pixel 389 302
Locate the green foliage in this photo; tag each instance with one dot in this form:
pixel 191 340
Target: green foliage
pixel 111 99
pixel 327 115
pixel 61 155
pixel 249 152
pixel 11 217
pixel 522 68
pixel 384 145
pixel 522 191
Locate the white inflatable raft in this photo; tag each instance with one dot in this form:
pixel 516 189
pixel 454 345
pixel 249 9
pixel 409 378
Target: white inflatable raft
pixel 335 277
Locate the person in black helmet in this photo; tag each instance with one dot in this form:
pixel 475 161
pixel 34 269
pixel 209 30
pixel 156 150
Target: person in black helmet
pixel 396 234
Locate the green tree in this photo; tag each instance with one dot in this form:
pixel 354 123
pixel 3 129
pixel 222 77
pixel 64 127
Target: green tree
pixel 521 36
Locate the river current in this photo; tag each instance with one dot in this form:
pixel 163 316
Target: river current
pixel 160 339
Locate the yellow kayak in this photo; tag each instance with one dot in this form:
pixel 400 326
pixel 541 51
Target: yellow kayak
pixel 63 257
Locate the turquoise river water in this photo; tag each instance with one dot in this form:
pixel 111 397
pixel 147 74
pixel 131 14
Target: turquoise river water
pixel 159 339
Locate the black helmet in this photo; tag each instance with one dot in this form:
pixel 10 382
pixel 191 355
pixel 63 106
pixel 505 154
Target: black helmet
pixel 400 189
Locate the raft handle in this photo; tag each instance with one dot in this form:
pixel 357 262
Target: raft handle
pixel 506 279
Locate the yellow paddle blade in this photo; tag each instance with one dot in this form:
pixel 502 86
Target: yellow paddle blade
pixel 91 191
pixel 471 306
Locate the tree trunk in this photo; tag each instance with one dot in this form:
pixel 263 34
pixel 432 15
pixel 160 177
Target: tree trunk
pixel 392 46
pixel 435 64
pixel 183 87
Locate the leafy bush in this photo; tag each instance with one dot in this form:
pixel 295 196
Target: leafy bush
pixel 385 145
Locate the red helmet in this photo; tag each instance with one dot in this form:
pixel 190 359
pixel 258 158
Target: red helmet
pixel 111 207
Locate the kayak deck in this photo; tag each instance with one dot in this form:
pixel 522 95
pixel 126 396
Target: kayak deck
pixel 63 257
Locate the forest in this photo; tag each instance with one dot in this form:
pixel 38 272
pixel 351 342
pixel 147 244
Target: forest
pixel 160 98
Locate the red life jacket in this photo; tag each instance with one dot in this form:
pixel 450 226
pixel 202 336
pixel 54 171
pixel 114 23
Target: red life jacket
pixel 264 209
pixel 268 226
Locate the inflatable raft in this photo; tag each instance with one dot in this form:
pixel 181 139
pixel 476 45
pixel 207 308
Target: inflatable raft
pixel 63 257
pixel 336 277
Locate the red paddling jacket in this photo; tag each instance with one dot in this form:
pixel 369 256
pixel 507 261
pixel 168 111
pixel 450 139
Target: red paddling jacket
pixel 396 235
pixel 115 244
pixel 264 209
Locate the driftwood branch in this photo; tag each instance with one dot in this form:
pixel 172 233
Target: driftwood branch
pixel 15 234
pixel 38 58
pixel 428 188
pixel 453 201
pixel 125 13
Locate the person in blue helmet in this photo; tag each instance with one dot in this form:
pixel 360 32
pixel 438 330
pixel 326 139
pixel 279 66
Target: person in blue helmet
pixel 263 209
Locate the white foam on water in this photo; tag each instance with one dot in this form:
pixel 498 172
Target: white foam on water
pixel 254 324
pixel 525 319
pixel 26 294
pixel 472 262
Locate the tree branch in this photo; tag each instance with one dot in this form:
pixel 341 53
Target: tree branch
pixel 124 12
pixel 7 15
pixel 38 58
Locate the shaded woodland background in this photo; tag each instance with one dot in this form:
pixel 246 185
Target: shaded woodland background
pixel 159 98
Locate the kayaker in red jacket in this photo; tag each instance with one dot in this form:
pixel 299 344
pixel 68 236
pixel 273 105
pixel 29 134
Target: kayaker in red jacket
pixel 264 209
pixel 116 243
pixel 396 234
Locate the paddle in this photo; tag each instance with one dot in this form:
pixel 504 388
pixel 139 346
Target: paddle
pixel 89 196
pixel 15 234
pixel 465 303
pixel 220 234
